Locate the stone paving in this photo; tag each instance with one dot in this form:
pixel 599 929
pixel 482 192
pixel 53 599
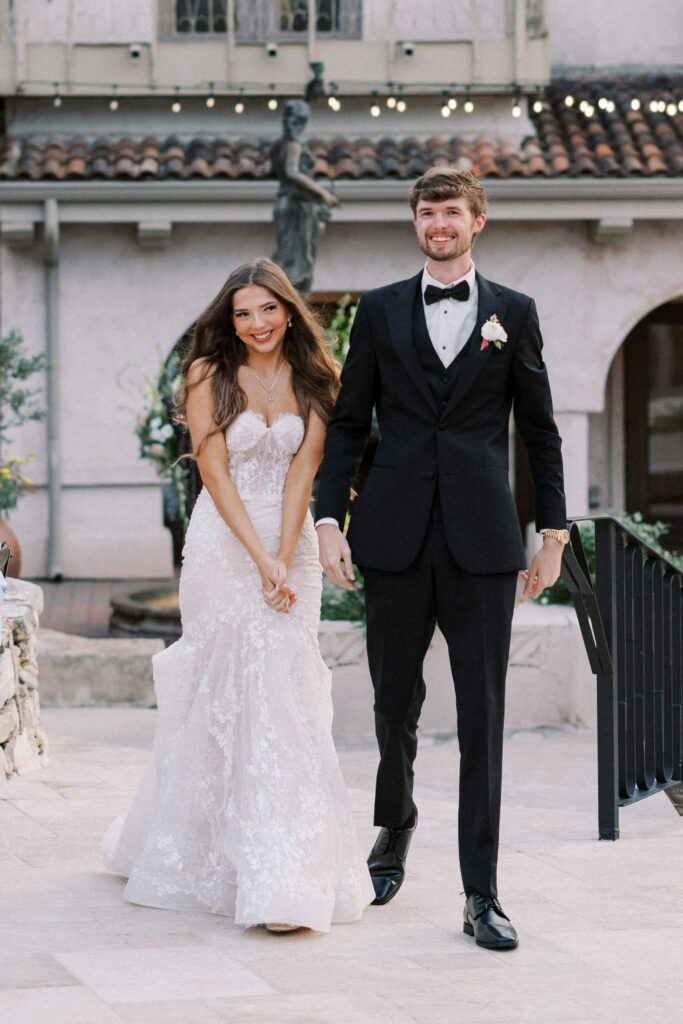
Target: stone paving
pixel 600 923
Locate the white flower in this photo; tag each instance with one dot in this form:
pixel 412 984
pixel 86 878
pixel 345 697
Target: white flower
pixel 156 450
pixel 155 423
pixel 493 333
pixel 166 432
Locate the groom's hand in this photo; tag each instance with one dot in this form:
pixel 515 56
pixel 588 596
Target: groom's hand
pixel 544 569
pixel 335 555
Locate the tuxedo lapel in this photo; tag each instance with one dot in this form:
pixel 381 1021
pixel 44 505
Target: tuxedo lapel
pixel 489 301
pixel 400 319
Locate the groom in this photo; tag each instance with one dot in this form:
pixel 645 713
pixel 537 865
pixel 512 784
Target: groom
pixel 443 358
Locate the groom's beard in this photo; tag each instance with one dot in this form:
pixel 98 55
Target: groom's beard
pixel 444 253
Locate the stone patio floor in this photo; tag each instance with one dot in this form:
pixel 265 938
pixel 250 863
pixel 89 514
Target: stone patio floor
pixel 600 923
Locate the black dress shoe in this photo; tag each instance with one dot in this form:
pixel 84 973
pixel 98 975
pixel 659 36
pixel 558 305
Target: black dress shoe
pixel 484 919
pixel 387 861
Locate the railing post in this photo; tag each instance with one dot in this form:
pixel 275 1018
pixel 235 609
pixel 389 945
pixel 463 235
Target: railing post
pixel 608 750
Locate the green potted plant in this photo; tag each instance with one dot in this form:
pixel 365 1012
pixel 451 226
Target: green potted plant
pixel 18 405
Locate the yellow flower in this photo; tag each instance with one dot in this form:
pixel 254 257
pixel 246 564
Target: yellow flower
pixel 5 473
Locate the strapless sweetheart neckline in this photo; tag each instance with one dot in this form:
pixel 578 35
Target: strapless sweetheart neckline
pixel 262 419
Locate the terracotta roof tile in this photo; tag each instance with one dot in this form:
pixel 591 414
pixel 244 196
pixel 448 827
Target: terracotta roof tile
pixel 610 142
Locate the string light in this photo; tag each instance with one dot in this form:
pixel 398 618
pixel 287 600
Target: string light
pixel 635 103
pixel 569 101
pixel 375 109
pixel 113 102
pixel 333 100
pixel 680 105
pixel 671 109
pixel 445 106
pixel 602 103
pixel 401 106
pixel 453 103
pixel 211 99
pixel 239 107
pixel 654 106
pixel 56 99
pixel 538 106
pixel 391 101
pixel 468 105
pixel 516 105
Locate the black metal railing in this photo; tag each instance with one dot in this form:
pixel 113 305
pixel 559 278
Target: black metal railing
pixel 631 621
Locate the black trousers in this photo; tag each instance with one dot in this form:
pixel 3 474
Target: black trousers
pixel 474 614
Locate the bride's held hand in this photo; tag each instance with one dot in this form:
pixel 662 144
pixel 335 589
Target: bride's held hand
pixel 277 594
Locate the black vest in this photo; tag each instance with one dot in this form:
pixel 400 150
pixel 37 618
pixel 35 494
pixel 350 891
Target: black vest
pixel 441 379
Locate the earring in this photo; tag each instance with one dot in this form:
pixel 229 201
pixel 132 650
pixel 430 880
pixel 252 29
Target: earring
pixel 289 321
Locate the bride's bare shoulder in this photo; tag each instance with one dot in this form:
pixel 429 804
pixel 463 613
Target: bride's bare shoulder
pixel 199 370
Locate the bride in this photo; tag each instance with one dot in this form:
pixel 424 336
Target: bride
pixel 242 809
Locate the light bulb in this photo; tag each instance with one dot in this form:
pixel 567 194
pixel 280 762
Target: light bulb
pixel 680 105
pixel 272 104
pixel 635 104
pixel 445 110
pixel 468 106
pixel 453 103
pixel 211 101
pixel 239 107
pixel 602 103
pixel 538 106
pixel 516 110
pixel 671 109
pixel 176 106
pixel 391 102
pixel 569 101
pixel 374 110
pixel 401 106
pixel 654 106
pixel 113 104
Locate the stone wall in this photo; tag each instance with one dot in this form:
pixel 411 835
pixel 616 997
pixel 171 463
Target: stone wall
pixel 23 744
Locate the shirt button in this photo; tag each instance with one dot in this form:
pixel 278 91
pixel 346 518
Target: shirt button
pixel 442 425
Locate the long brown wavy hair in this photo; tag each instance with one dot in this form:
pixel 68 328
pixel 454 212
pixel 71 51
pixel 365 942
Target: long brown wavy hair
pixel 315 373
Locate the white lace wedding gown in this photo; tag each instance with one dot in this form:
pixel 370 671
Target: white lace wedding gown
pixel 242 809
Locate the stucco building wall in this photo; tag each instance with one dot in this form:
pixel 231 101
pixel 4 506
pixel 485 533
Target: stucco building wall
pixel 122 307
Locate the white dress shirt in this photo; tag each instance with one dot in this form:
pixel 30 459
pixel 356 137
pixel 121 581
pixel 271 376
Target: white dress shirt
pixel 450 321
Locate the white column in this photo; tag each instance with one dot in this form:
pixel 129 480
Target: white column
pixel 573 427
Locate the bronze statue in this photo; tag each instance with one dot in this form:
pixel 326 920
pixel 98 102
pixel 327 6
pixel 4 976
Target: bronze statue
pixel 303 206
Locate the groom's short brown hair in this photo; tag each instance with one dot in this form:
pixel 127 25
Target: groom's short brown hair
pixel 441 183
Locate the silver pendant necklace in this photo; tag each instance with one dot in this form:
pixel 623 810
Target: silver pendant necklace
pixel 268 390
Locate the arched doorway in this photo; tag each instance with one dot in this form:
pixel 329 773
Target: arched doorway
pixel 653 419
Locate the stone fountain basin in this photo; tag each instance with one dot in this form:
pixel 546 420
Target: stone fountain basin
pixel 152 612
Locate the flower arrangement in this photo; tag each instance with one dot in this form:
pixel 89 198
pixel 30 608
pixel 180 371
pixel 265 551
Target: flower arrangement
pixel 160 438
pixel 18 405
pixel 13 483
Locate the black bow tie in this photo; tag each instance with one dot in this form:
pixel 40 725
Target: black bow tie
pixel 459 291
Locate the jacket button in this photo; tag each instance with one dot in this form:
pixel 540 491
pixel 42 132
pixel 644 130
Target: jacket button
pixel 430 475
pixel 444 378
pixel 442 425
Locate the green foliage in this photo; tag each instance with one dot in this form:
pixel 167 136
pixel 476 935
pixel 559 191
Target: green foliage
pixel 339 328
pixel 339 603
pixel 159 436
pixel 18 405
pixel 647 532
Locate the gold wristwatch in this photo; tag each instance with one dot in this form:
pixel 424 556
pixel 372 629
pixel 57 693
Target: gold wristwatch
pixel 561 535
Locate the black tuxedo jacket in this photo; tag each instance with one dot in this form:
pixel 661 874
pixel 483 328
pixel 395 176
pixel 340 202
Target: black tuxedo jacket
pixel 462 449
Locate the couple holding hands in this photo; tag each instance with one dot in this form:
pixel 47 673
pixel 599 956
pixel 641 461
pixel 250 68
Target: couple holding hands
pixel 242 809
